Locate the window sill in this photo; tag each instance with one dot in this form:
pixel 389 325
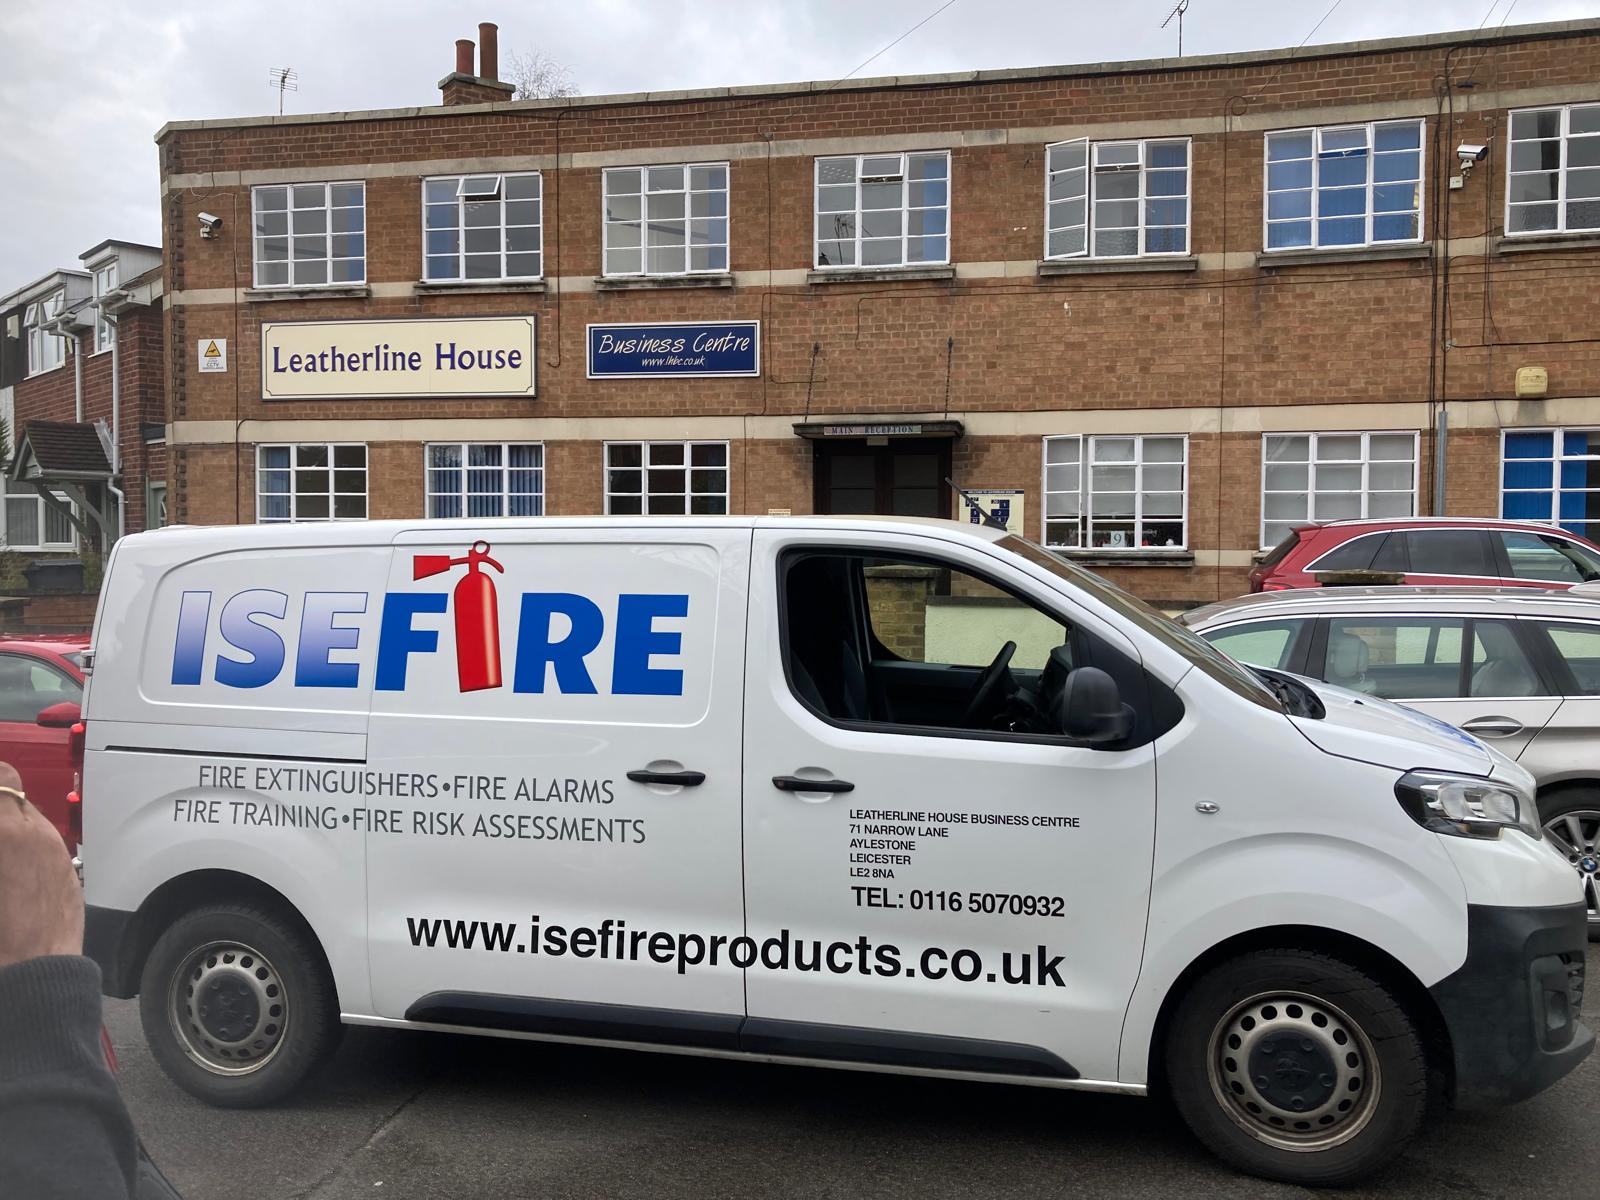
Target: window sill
pixel 1267 259
pixel 1548 241
pixel 635 283
pixel 343 291
pixel 878 274
pixel 478 287
pixel 1129 558
pixel 43 373
pixel 1107 266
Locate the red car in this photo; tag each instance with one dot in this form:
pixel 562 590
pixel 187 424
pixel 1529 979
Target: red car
pixel 1439 550
pixel 41 689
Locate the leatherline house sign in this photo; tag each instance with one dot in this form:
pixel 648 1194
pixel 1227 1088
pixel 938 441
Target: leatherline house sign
pixel 417 356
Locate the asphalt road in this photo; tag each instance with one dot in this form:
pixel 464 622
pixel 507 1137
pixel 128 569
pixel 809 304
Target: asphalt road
pixel 400 1115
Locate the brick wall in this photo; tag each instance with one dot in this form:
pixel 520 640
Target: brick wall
pixel 1199 344
pixel 141 351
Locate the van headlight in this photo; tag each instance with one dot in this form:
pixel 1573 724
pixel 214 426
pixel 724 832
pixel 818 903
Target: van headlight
pixel 1466 805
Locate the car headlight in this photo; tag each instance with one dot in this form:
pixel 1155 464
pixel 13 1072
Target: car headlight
pixel 1466 805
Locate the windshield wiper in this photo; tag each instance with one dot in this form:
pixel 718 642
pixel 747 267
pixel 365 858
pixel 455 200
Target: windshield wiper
pixel 1297 699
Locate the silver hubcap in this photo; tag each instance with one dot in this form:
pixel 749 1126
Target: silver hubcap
pixel 1577 835
pixel 229 1008
pixel 1293 1071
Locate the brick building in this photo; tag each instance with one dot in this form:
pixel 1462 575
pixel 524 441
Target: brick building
pixel 82 391
pixel 1156 311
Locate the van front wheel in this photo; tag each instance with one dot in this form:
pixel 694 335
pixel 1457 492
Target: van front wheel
pixel 237 1005
pixel 1296 1066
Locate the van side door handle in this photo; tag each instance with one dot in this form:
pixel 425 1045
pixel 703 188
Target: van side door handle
pixel 1493 727
pixel 793 783
pixel 674 778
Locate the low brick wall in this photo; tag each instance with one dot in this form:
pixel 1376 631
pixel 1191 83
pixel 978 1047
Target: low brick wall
pixel 71 612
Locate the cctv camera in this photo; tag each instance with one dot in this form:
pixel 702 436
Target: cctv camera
pixel 209 224
pixel 1467 152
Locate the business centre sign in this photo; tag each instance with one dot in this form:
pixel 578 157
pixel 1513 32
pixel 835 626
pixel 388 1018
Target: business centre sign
pixel 419 356
pixel 682 349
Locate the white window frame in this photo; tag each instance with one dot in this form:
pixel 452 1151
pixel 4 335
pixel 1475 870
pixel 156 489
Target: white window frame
pixel 294 468
pixel 1564 140
pixel 1558 456
pixel 1310 492
pixel 27 494
pixel 1091 173
pixel 105 281
pixel 45 308
pixel 688 191
pixel 905 210
pixel 645 465
pixel 459 201
pixel 1318 132
pixel 505 468
pixel 328 258
pixel 1087 444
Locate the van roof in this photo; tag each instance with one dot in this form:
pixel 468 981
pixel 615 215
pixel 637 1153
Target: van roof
pixel 345 533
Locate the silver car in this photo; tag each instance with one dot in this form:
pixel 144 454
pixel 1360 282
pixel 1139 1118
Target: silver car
pixel 1519 669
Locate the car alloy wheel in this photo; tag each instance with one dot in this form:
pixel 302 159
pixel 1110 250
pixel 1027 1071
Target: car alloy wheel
pixel 1577 835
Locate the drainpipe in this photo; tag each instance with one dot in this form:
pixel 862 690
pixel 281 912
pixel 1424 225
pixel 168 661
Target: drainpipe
pixel 77 380
pixel 116 422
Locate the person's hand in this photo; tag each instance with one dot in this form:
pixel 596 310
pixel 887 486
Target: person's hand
pixel 41 903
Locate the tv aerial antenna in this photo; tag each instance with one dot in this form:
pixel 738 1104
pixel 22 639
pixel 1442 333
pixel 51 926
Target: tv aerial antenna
pixel 1178 9
pixel 287 79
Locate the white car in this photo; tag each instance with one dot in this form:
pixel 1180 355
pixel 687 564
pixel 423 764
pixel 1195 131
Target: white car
pixel 865 793
pixel 1519 669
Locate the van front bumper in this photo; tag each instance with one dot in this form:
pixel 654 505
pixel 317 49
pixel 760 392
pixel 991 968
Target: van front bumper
pixel 1512 1009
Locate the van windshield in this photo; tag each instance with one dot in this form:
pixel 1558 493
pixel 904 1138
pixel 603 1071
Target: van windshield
pixel 1166 631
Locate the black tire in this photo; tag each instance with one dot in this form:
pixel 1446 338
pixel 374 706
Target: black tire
pixel 238 1005
pixel 1334 1049
pixel 1571 822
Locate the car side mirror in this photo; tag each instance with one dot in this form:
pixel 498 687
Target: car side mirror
pixel 59 716
pixel 1092 712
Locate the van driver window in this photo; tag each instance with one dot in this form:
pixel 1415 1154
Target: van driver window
pixel 911 642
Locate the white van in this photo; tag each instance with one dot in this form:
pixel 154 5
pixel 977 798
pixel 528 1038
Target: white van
pixel 878 794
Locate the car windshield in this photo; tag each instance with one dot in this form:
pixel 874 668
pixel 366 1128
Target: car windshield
pixel 1165 630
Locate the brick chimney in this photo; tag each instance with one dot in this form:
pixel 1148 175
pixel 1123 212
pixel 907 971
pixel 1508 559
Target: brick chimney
pixel 462 86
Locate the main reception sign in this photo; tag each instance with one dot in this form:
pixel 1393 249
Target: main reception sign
pixel 423 356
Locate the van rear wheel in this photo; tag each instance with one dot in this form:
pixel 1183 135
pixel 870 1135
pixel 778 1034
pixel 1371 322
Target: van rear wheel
pixel 1297 1066
pixel 237 1005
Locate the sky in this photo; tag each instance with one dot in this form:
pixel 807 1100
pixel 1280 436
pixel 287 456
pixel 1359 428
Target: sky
pixel 83 91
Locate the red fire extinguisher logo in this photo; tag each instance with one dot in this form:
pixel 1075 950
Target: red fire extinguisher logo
pixel 477 614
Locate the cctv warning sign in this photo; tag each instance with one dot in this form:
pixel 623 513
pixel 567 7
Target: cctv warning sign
pixel 213 355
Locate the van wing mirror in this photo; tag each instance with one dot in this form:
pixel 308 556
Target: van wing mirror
pixel 1092 712
pixel 59 716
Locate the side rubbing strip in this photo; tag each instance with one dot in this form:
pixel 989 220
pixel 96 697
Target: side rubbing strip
pixel 755 1035
pixel 844 1043
pixel 570 1018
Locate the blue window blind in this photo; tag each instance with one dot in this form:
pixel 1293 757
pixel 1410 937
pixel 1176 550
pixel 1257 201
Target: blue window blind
pixel 1344 186
pixel 1552 475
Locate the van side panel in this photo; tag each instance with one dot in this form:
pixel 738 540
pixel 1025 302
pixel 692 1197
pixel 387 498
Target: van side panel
pixel 543 853
pixel 227 721
pixel 1331 851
